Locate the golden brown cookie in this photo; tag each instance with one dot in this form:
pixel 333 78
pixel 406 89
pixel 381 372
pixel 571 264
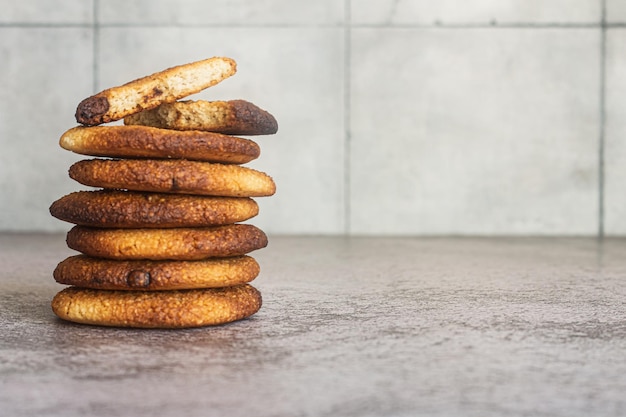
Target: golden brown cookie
pixel 150 91
pixel 129 209
pixel 157 309
pixel 87 272
pixel 173 176
pixel 151 142
pixel 185 244
pixel 236 117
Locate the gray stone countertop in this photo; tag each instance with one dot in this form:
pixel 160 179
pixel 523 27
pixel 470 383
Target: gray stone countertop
pixel 349 327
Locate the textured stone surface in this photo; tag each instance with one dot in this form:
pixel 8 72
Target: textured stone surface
pixel 349 327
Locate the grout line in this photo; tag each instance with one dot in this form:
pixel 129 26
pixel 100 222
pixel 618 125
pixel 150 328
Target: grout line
pixel 233 25
pixel 347 194
pixel 96 47
pixel 35 25
pixel 602 138
pixel 387 25
pixel 486 25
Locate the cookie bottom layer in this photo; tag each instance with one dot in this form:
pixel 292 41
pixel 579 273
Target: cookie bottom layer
pixel 157 309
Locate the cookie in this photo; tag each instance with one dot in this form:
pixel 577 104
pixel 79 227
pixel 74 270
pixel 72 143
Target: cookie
pixel 106 274
pixel 150 142
pixel 129 209
pixel 185 244
pixel 173 176
pixel 236 117
pixel 157 309
pixel 151 91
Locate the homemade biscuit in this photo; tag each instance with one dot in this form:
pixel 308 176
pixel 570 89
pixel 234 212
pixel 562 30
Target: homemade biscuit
pixel 185 244
pixel 88 272
pixel 236 117
pixel 151 142
pixel 150 91
pixel 173 176
pixel 157 309
pixel 129 209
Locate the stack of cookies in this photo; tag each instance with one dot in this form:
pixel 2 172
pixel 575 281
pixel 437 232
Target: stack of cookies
pixel 161 239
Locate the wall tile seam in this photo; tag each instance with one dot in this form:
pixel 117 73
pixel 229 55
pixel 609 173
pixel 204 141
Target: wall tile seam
pixel 44 25
pixel 53 25
pixel 347 139
pixel 601 198
pixel 490 25
pixel 222 25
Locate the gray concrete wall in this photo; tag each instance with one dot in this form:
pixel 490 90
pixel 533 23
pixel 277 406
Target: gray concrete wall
pixel 482 117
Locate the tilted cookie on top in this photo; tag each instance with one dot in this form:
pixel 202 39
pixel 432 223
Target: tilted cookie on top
pixel 149 92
